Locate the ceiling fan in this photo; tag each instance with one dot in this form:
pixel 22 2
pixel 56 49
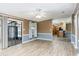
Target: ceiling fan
pixel 39 13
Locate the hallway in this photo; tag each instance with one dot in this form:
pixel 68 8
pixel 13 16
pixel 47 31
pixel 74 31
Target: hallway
pixel 58 47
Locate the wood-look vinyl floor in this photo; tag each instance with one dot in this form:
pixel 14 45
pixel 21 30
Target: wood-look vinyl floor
pixel 58 47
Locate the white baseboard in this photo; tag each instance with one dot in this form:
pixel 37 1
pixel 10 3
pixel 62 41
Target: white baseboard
pixel 44 39
pixel 74 45
pixel 28 41
pixel 45 33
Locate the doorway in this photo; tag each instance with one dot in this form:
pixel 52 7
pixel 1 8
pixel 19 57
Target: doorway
pixel 62 27
pixel 32 29
pixel 14 33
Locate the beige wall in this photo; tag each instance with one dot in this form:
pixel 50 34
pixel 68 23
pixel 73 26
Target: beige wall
pixel 25 27
pixel 78 26
pixel 73 25
pixel 68 27
pixel 44 26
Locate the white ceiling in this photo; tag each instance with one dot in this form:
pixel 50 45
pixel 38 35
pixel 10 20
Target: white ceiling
pixel 28 10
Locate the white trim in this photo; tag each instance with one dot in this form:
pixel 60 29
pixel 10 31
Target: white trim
pixel 25 35
pixel 44 39
pixel 75 31
pixel 38 33
pixel 28 41
pixel 45 33
pixel 4 32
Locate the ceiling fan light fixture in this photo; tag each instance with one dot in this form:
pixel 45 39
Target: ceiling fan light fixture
pixel 38 16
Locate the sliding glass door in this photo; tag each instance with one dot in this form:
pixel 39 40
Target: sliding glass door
pixel 14 32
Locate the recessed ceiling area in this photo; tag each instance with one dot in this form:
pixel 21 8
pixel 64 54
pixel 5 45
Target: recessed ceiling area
pixel 38 11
